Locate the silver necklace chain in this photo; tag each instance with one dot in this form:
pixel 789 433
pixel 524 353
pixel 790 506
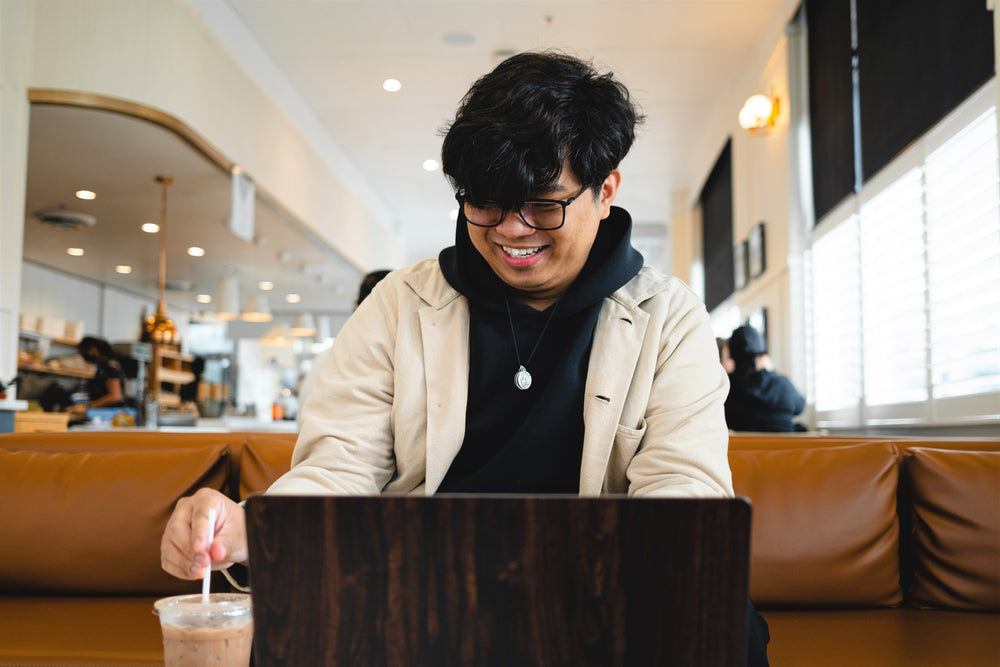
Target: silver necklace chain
pixel 522 378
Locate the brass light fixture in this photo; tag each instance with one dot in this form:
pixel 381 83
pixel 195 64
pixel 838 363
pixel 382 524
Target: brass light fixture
pixel 759 113
pixel 159 328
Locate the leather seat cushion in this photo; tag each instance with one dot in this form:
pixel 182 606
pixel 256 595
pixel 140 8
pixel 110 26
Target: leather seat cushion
pixel 901 637
pixel 955 496
pixel 40 630
pixel 825 530
pixel 91 522
pixel 265 459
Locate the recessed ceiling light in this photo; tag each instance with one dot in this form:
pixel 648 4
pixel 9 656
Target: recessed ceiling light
pixel 86 194
pixel 391 85
pixel 204 298
pixel 150 227
pixel 265 285
pixel 195 251
pixel 76 252
pixel 293 298
pixel 431 165
pixel 123 268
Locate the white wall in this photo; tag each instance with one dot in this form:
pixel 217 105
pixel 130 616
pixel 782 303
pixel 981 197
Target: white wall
pixel 161 53
pixel 15 38
pixel 106 311
pixel 762 192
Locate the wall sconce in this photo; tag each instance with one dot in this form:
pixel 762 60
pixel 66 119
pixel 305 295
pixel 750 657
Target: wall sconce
pixel 758 114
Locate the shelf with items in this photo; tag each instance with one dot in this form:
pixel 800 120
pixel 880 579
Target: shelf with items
pixel 54 370
pixel 34 352
pixel 37 335
pixel 168 372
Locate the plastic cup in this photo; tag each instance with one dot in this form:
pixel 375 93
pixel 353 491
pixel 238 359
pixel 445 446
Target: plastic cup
pixel 195 633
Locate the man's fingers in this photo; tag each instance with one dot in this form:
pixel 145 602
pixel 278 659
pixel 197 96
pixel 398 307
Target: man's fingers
pixel 186 549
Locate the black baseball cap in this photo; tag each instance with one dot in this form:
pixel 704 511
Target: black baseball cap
pixel 746 342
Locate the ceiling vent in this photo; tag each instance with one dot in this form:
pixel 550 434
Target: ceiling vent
pixel 64 219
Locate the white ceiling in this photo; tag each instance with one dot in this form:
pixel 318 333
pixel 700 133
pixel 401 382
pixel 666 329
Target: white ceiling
pixel 680 59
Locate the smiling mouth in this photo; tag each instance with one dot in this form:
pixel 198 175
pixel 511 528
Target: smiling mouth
pixel 520 252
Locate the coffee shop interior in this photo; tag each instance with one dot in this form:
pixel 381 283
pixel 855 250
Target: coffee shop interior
pixel 204 184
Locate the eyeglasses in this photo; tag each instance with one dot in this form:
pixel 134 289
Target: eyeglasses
pixel 547 214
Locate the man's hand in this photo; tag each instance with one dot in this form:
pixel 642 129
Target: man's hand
pixel 184 551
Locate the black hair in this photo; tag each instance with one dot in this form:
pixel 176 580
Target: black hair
pixel 369 282
pixel 103 347
pixel 518 124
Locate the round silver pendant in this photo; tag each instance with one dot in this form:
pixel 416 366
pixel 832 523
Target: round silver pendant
pixel 522 378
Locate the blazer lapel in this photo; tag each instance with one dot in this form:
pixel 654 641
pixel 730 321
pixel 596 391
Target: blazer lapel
pixel 445 332
pixel 618 340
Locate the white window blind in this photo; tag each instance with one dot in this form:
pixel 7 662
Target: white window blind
pixel 963 222
pixel 893 293
pixel 836 317
pixel 905 284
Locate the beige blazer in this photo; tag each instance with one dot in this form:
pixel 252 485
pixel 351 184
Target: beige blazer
pixel 387 413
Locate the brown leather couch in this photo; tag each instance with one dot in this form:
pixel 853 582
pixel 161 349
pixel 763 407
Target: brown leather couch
pixel 869 551
pixel 865 551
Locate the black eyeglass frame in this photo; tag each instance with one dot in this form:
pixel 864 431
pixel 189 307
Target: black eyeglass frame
pixel 461 199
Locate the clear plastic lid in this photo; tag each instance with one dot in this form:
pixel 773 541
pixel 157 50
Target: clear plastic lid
pixel 218 605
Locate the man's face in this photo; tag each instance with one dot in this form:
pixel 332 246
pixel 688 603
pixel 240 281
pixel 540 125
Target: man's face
pixel 541 264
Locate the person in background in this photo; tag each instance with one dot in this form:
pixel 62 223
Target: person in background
pixel 107 388
pixel 189 392
pixel 537 355
pixel 724 357
pixel 367 285
pixel 759 398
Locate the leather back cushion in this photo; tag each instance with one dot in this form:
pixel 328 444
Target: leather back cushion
pixel 91 522
pixel 825 531
pixel 955 497
pixel 265 459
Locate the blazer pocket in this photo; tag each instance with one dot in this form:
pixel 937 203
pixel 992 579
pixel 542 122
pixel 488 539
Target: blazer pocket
pixel 627 441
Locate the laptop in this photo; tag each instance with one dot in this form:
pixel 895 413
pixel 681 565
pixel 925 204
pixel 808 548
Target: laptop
pixel 498 580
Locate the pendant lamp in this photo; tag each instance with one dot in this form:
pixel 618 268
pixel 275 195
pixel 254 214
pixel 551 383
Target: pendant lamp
pixel 159 328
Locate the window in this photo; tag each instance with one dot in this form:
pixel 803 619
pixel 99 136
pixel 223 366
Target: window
pixel 892 293
pixel 836 293
pixel 905 284
pixel 963 225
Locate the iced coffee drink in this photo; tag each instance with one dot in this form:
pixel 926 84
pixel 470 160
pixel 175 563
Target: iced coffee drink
pixel 197 633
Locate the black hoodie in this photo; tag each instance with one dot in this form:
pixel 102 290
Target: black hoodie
pixel 530 441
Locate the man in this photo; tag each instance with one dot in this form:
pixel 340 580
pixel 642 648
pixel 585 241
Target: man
pixel 759 398
pixel 536 355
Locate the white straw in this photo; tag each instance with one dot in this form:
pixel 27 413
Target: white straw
pixel 206 578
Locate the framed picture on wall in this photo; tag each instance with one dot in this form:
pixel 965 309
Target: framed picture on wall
pixel 757 318
pixel 756 255
pixel 741 275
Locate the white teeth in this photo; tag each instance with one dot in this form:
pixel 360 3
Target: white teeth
pixel 520 252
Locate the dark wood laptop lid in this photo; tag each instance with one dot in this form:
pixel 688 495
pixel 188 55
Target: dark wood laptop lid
pixel 498 580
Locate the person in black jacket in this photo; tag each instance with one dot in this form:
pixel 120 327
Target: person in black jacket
pixel 759 398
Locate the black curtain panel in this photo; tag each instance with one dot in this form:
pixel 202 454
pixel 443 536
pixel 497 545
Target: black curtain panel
pixel 716 201
pixel 918 60
pixel 831 116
